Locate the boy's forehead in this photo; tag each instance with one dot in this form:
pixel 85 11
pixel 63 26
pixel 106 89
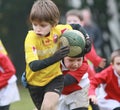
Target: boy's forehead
pixel 40 22
pixel 117 59
pixel 72 17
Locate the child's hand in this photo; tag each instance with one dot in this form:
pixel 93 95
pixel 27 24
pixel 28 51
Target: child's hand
pixel 102 63
pixel 61 53
pixel 93 99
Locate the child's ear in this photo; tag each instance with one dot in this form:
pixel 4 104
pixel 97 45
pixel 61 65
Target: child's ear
pixel 111 63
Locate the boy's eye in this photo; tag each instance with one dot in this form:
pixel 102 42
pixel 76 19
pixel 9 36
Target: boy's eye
pixel 71 60
pixel 35 24
pixel 118 63
pixel 79 59
pixel 43 25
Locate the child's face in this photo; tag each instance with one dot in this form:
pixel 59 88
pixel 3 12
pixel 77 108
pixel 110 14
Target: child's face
pixel 73 63
pixel 116 64
pixel 72 19
pixel 41 28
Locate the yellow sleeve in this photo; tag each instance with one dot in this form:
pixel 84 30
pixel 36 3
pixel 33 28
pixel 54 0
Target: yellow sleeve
pixel 62 28
pixel 30 48
pixel 2 48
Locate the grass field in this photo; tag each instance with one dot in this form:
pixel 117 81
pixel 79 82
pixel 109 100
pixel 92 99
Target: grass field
pixel 25 103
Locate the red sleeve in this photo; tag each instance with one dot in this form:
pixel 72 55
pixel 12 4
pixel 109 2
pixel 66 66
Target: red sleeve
pixel 100 78
pixel 93 57
pixel 6 70
pixel 78 74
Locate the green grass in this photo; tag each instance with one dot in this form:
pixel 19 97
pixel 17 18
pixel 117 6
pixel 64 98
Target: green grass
pixel 25 103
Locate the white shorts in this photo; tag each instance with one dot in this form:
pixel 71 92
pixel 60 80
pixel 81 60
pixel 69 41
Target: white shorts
pixel 106 104
pixel 74 100
pixel 10 93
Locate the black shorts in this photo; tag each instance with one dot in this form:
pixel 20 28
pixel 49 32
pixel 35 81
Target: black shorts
pixel 37 92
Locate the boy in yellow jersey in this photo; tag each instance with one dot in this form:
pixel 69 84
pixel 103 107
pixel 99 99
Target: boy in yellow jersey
pixel 43 54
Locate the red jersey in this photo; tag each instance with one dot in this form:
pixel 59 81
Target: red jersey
pixel 93 57
pixel 6 70
pixel 78 75
pixel 109 78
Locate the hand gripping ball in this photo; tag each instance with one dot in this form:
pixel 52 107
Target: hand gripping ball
pixel 75 40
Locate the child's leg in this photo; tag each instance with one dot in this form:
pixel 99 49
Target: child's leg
pixel 50 101
pixel 52 93
pixel 37 94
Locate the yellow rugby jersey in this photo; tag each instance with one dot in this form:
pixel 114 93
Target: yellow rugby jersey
pixel 39 48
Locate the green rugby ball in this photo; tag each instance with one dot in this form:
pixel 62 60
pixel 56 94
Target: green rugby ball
pixel 75 40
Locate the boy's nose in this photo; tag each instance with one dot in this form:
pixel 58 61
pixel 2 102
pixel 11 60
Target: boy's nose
pixel 75 64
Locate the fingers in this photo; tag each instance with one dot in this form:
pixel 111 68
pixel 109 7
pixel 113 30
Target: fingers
pixel 64 47
pixel 65 50
pixel 102 63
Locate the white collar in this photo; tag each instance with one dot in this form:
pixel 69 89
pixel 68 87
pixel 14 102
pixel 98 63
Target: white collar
pixel 63 66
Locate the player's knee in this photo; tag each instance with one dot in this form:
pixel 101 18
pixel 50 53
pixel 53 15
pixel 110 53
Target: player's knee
pixel 48 106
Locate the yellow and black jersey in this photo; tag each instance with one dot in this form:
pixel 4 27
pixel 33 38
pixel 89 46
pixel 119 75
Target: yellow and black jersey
pixel 39 48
